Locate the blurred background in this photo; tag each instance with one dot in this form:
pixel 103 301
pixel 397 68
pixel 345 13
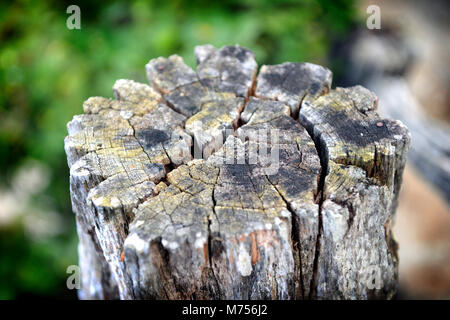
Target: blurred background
pixel 47 71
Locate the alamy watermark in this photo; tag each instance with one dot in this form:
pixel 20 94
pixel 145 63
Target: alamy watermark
pixel 74 280
pixel 259 147
pixel 370 277
pixel 374 19
pixel 74 20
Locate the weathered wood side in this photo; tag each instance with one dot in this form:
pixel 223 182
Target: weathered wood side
pixel 364 157
pixel 221 184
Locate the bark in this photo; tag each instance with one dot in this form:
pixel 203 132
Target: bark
pixel 223 184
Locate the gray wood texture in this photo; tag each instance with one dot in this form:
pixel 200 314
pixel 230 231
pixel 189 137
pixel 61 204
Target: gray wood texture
pixel 222 183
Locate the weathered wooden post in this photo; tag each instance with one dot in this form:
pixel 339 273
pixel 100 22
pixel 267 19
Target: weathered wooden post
pixel 292 194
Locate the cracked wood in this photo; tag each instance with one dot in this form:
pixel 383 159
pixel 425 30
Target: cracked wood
pixel 170 203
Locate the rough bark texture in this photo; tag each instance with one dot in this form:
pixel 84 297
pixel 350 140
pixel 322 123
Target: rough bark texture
pixel 172 203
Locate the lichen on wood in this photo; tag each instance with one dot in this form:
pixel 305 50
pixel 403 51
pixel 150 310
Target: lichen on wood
pixel 172 203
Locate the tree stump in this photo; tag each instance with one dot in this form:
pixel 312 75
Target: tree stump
pixel 222 183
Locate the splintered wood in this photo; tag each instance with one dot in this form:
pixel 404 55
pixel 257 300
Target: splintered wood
pixel 222 183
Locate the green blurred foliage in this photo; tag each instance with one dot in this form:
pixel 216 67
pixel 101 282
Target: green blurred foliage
pixel 47 71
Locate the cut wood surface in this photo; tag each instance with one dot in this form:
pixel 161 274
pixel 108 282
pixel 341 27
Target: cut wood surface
pixel 222 183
